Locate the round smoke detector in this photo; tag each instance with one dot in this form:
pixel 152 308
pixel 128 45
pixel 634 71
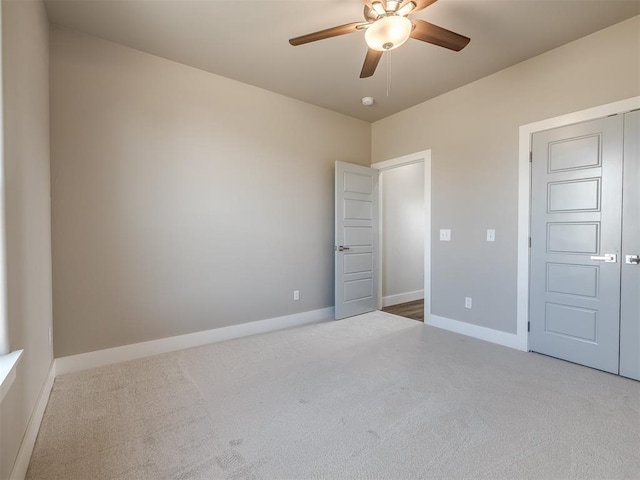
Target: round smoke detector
pixel 367 101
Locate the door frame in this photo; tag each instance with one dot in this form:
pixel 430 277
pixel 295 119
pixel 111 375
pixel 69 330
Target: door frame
pixel 524 199
pixel 423 157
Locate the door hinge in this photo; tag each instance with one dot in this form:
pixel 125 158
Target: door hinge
pixel 528 326
pixel 529 242
pixel 530 157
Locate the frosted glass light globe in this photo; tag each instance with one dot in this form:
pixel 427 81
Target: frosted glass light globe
pixel 388 33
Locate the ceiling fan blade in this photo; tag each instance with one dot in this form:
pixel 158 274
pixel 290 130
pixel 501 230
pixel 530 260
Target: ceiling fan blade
pixel 327 33
pixel 370 63
pixel 420 4
pixel 430 33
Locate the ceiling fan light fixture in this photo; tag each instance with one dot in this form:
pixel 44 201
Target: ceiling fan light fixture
pixel 377 6
pixel 406 9
pixel 388 33
pixel 392 5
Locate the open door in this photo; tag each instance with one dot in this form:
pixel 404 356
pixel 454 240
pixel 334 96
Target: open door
pixel 356 235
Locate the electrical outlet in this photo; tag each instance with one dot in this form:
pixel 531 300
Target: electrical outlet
pixel 296 295
pixel 491 235
pixel 467 302
pixel 445 235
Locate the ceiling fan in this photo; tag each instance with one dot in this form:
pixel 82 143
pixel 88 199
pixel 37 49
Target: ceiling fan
pixel 387 26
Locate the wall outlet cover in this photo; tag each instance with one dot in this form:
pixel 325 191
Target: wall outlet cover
pixel 445 235
pixel 467 302
pixel 491 235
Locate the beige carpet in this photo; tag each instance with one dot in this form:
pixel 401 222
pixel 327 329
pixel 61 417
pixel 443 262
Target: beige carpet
pixel 375 396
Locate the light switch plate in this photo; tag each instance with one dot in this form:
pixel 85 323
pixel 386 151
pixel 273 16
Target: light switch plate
pixel 491 235
pixel 445 235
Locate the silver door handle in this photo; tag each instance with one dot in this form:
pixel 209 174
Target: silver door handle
pixel 607 257
pixel 632 259
pixel 342 249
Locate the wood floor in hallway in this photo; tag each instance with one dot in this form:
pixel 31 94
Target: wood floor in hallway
pixel 413 310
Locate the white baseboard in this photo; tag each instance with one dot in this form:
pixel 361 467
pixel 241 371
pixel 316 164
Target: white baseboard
pixel 402 298
pixel 99 358
pixel 21 464
pixel 482 333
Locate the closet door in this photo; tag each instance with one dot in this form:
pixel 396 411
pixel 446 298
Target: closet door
pixel 576 219
pixel 630 293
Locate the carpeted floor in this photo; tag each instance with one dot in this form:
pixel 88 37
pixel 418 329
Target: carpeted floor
pixel 375 396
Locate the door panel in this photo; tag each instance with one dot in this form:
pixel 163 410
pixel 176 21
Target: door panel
pixel 568 279
pixel 576 214
pixel 356 215
pixel 572 322
pixel 630 301
pixel 573 238
pixel 581 195
pixel 575 152
pixel 358 263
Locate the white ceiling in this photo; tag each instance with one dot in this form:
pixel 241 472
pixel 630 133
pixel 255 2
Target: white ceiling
pixel 247 40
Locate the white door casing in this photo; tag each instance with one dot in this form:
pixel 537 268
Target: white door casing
pixel 356 238
pixel 423 157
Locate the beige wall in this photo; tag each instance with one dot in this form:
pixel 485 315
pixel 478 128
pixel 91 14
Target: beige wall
pixel 184 201
pixel 473 134
pixel 25 55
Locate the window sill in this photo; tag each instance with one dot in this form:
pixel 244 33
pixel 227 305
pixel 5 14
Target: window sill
pixel 8 371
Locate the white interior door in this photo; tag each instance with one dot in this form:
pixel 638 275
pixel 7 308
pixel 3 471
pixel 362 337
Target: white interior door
pixel 576 208
pixel 356 235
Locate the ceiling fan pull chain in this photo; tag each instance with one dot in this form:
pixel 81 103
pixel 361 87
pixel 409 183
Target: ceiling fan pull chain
pixel 388 72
